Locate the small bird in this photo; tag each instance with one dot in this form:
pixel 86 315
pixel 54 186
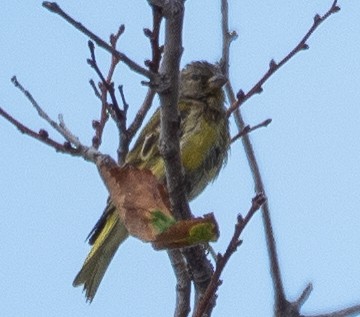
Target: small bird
pixel 204 144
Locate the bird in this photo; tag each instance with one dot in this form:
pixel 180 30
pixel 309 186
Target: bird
pixel 204 143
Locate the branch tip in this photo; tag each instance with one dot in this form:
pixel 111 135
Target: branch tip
pixel 51 6
pixel 123 99
pixel 96 91
pixel 121 30
pixel 91 46
pixel 15 81
pixel 267 122
pixel 304 296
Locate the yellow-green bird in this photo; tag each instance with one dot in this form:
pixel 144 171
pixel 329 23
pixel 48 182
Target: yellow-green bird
pixel 204 143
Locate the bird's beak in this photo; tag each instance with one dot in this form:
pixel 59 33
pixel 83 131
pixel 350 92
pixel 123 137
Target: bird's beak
pixel 217 81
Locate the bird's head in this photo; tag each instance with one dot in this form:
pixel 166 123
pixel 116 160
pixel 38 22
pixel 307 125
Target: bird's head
pixel 201 81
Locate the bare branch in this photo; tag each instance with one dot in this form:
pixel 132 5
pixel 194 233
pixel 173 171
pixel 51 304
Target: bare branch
pixel 183 287
pixel 41 136
pixel 58 127
pixel 169 138
pixel 117 114
pixel 247 129
pixel 227 37
pixel 96 91
pixel 273 66
pixel 304 296
pixel 123 99
pixel 281 304
pixel 215 282
pixel 283 308
pixel 107 86
pixel 347 312
pixel 88 153
pixel 154 40
pixel 154 64
pixel 140 115
pixel 280 299
pixel 173 11
pixel 55 8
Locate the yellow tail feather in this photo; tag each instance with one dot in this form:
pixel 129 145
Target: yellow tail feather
pixel 112 234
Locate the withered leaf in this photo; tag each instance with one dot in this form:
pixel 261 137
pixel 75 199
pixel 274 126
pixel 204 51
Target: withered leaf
pixel 137 195
pixel 144 208
pixel 188 232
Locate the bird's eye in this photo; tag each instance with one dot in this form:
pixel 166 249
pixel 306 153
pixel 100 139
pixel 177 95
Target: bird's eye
pixel 195 77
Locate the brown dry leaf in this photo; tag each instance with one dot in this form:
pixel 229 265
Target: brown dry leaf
pixel 144 208
pixel 137 195
pixel 188 232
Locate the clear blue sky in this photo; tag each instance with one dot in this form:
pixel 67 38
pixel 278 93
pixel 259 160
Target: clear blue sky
pixel 309 157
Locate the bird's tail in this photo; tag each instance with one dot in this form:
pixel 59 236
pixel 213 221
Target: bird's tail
pixel 106 237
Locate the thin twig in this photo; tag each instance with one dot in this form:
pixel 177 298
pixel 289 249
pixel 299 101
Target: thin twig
pixel 41 136
pixel 273 66
pixel 118 114
pixel 347 312
pixel 114 38
pixel 55 8
pixel 154 64
pixel 168 98
pixel 58 127
pixel 106 86
pixel 259 186
pixel 183 283
pixel 247 129
pixel 281 304
pixel 123 99
pixel 99 125
pixel 140 115
pixel 66 133
pixel 39 110
pixel 227 37
pixel 173 11
pixel 303 296
pixel 72 146
pixel 153 35
pixel 215 282
pixel 96 90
